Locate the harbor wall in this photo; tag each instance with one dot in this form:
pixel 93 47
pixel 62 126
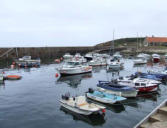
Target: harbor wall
pixel 43 52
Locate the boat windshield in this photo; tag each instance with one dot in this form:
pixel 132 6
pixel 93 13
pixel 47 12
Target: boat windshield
pixel 73 63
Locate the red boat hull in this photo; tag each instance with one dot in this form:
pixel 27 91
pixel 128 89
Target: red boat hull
pixel 156 60
pixel 148 89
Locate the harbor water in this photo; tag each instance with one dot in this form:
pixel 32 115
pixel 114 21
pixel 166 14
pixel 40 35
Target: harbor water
pixel 33 101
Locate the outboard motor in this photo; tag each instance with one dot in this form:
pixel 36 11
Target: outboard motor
pixel 66 96
pixel 90 90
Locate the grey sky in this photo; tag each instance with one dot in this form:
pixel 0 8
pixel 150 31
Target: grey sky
pixel 78 22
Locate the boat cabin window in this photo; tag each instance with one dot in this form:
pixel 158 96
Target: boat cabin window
pixel 143 84
pixel 73 63
pixel 137 84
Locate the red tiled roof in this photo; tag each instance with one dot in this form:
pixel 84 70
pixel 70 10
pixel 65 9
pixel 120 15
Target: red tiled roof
pixel 156 39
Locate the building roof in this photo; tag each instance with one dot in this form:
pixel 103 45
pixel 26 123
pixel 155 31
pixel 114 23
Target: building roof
pixel 156 39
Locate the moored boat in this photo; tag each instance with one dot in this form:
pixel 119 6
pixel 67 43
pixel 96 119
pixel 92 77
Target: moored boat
pixel 139 61
pixel 141 84
pixel 115 65
pixel 104 97
pixel 98 61
pixel 26 61
pixel 73 68
pixel 80 105
pixel 117 89
pixel 155 58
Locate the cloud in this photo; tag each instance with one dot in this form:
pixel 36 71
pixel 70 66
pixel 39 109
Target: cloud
pixel 74 22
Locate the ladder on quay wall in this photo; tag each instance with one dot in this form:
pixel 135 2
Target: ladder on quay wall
pixel 8 51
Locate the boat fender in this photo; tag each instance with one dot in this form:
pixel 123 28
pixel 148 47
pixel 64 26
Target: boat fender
pixel 103 110
pixel 57 75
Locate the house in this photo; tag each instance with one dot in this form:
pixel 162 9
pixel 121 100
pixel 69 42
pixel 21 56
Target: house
pixel 155 41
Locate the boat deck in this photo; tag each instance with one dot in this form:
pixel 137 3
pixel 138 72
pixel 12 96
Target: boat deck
pixel 156 119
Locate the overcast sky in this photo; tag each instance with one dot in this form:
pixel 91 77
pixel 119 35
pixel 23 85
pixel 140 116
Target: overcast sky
pixel 78 22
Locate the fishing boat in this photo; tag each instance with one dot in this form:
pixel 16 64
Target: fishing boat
pixel 26 61
pixel 1 76
pixel 67 56
pixel 117 55
pixel 89 56
pixel 156 119
pixel 98 61
pixel 115 65
pixel 139 60
pixel 104 97
pixel 117 89
pixel 80 105
pixel 141 84
pixel 143 55
pixel 155 58
pixel 152 74
pixel 73 68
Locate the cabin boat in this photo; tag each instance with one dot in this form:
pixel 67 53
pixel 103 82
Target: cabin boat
pixel 26 61
pixel 98 61
pixel 115 65
pixel 73 68
pixel 89 56
pixel 155 58
pixel 67 56
pixel 1 77
pixel 143 55
pixel 141 84
pixel 139 60
pixel 156 119
pixel 80 105
pixel 159 76
pixel 117 89
pixel 104 97
pixel 117 55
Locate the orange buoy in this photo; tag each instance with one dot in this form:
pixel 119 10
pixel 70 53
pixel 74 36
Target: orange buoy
pixel 57 75
pixel 13 77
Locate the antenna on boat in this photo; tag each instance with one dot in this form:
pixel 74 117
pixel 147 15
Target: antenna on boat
pixel 112 45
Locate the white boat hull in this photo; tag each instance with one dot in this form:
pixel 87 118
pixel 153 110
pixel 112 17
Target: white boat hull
pixel 74 71
pixel 75 109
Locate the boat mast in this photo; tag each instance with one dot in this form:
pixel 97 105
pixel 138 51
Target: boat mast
pixel 113 41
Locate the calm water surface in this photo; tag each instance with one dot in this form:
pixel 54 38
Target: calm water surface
pixel 33 101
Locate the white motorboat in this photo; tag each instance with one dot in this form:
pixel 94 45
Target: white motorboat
pixel 155 58
pixel 80 105
pixel 141 84
pixel 89 56
pixel 67 56
pixel 26 61
pixel 139 60
pixel 1 76
pixel 98 61
pixel 115 65
pixel 117 55
pixel 73 68
pixel 143 55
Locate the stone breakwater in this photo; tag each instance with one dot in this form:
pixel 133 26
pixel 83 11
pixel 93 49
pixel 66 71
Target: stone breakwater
pixel 43 52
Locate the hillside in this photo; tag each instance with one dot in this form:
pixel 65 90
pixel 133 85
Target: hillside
pixel 121 42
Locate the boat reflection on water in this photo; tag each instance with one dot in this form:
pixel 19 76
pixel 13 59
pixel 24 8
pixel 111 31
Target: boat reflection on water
pixel 116 108
pixel 74 80
pixel 94 120
pixel 97 69
pixel 147 96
